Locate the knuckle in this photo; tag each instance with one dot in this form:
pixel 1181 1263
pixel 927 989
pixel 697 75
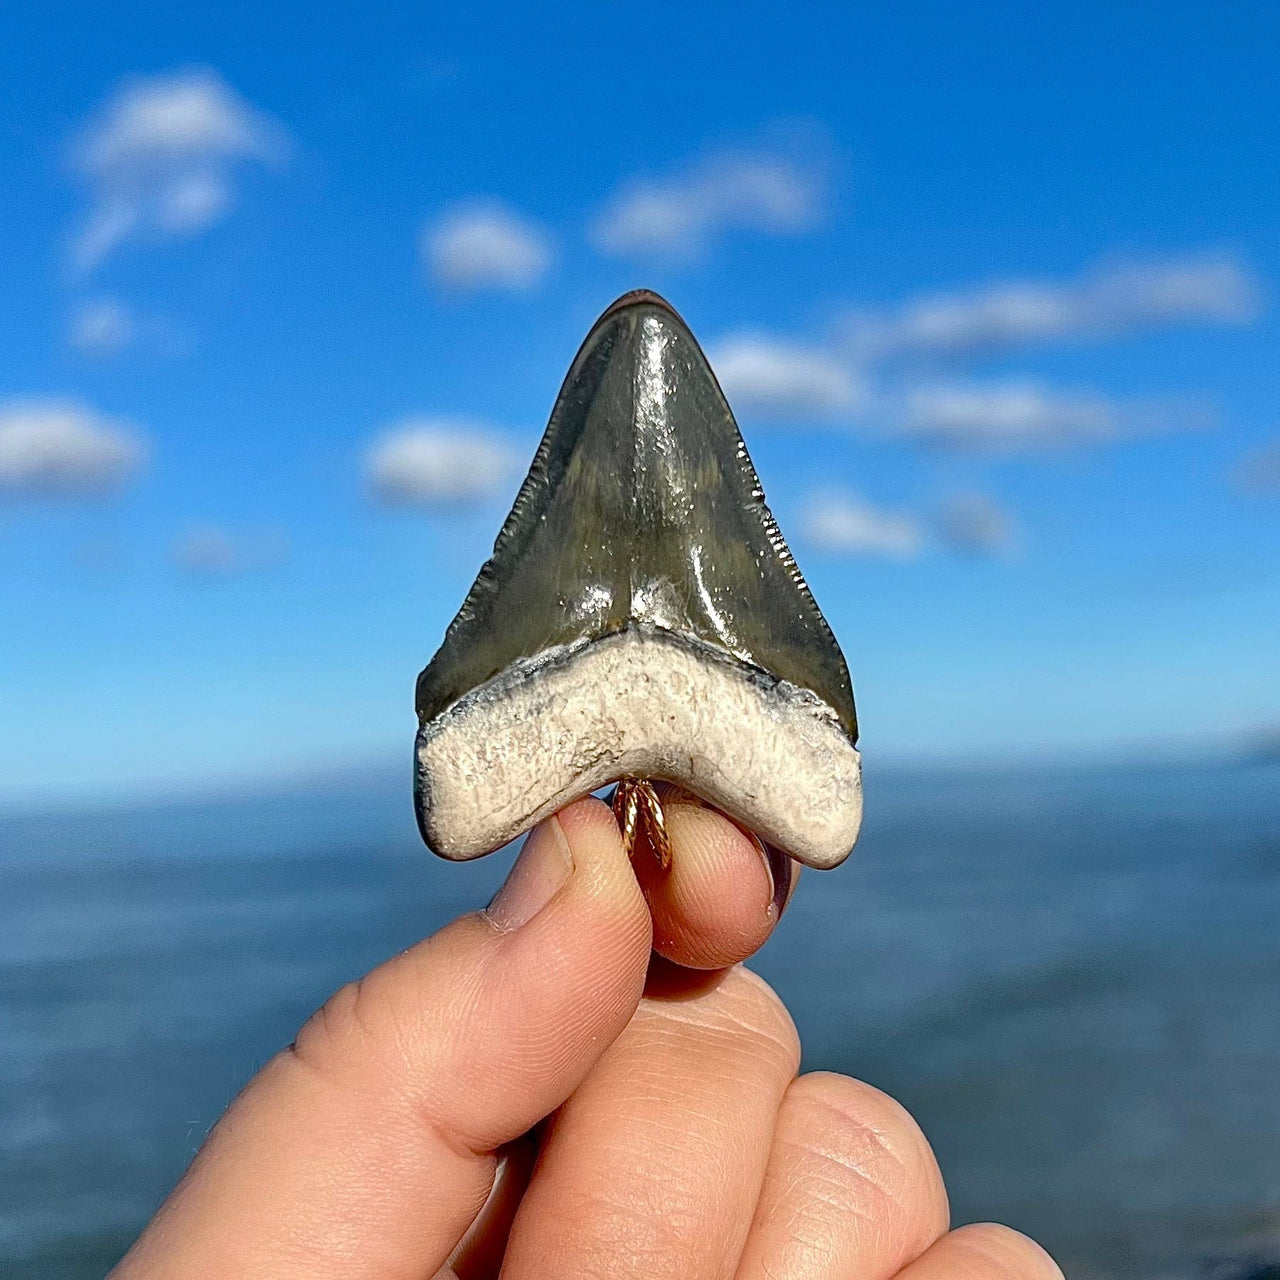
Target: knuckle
pixel 356 1028
pixel 1001 1253
pixel 750 1005
pixel 740 1017
pixel 864 1150
pixel 639 1232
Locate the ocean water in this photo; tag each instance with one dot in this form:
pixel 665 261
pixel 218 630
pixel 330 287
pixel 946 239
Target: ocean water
pixel 1070 975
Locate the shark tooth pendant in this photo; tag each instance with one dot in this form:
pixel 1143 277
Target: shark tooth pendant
pixel 641 618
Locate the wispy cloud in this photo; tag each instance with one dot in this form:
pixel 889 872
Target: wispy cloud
pixel 892 373
pixel 775 188
pixel 213 551
pixel 439 462
pixel 844 523
pixel 776 378
pixel 847 524
pixel 789 382
pixel 1259 471
pixel 1110 300
pixel 161 159
pixel 52 448
pixel 485 246
pixel 101 327
pixel 1025 416
pixel 976 523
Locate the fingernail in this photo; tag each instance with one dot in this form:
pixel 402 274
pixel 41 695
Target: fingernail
pixel 540 872
pixel 781 876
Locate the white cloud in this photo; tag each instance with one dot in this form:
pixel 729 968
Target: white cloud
pixel 842 522
pixel 1009 416
pixel 845 523
pixel 101 327
pixel 1113 299
pixel 975 523
pixel 774 190
pixel 437 462
pixel 1260 471
pixel 485 246
pixel 1024 416
pixel 212 551
pixel 1208 289
pixel 771 376
pixel 64 449
pixel 161 158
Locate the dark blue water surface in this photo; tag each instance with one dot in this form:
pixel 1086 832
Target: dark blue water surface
pixel 1071 976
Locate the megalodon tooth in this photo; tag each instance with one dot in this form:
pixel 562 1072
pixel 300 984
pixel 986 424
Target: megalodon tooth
pixel 641 617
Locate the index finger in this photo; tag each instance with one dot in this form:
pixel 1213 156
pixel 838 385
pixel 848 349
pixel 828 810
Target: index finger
pixel 724 892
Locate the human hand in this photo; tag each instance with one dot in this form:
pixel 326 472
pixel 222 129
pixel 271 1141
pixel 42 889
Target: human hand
pixel 670 1135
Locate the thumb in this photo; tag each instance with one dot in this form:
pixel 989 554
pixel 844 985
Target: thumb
pixel 367 1148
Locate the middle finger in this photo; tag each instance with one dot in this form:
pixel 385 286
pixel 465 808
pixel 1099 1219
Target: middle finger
pixel 652 1168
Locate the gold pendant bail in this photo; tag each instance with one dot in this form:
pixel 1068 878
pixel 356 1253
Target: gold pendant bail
pixel 639 811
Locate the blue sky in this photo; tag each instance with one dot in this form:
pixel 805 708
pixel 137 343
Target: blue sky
pixel 287 294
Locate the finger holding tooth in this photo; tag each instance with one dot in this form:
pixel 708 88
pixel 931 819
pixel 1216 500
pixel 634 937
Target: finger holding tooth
pixel 725 889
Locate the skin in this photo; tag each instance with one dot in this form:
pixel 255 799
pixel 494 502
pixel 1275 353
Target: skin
pixel 534 1090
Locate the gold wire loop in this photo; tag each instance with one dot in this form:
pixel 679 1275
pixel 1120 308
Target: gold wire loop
pixel 637 808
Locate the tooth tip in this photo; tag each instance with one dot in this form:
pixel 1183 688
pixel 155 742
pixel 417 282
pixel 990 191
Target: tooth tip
pixel 639 298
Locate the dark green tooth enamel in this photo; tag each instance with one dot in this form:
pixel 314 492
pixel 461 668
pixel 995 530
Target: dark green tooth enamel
pixel 641 508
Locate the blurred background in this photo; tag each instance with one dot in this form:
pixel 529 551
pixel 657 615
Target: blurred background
pixel 286 294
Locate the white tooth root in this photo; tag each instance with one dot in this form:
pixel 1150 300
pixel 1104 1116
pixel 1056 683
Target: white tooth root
pixel 647 705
